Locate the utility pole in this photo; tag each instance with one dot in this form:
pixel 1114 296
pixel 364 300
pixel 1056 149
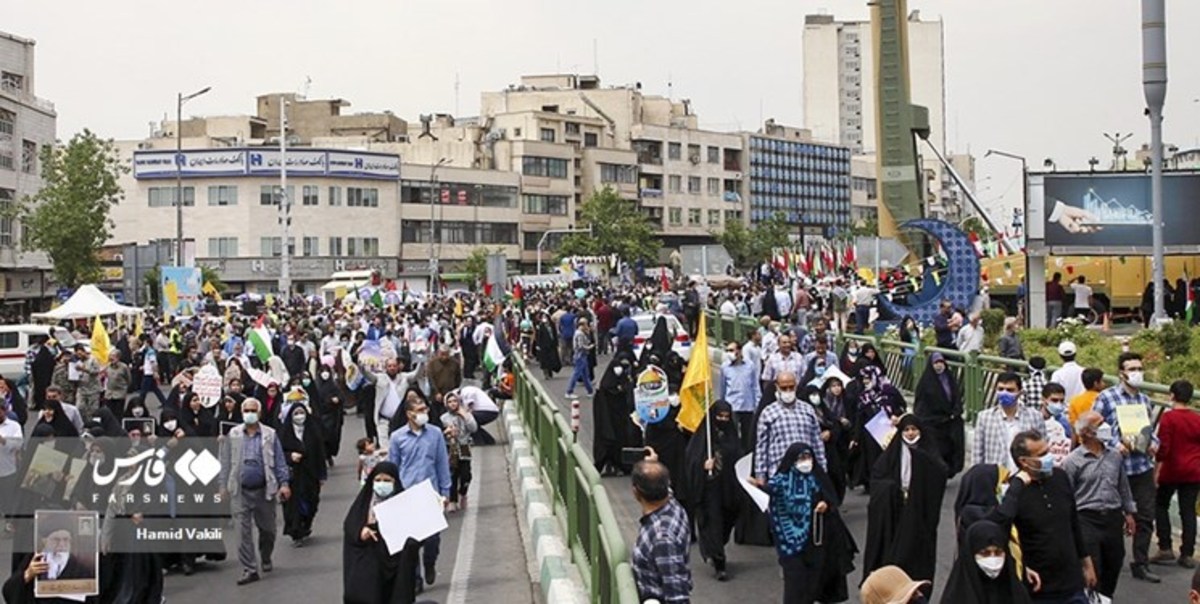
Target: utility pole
pixel 1119 151
pixel 433 262
pixel 285 205
pixel 1154 86
pixel 179 163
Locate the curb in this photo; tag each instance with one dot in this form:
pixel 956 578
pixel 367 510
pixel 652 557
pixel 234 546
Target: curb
pixel 550 566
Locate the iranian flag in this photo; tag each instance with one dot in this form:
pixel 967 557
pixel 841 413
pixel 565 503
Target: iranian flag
pixel 976 243
pixel 260 340
pixel 493 357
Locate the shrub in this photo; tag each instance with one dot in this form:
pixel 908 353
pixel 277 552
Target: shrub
pixel 1176 339
pixel 993 325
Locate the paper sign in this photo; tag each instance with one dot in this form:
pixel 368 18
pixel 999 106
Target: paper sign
pixel 650 396
pixel 72 536
pixel 207 385
pixel 742 470
pixel 832 372
pixel 1134 423
pixel 45 470
pixel 881 429
pixel 416 513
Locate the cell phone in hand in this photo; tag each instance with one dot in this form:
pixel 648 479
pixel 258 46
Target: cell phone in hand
pixel 632 455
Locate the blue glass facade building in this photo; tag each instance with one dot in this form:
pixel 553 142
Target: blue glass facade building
pixel 809 183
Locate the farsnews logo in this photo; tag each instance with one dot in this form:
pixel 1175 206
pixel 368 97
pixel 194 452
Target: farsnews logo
pixel 149 467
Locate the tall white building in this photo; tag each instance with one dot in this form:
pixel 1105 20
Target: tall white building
pixel 839 90
pixel 27 124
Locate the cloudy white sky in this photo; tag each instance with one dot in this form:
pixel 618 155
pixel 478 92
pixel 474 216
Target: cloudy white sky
pixel 1036 78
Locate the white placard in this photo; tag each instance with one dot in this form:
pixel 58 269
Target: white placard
pixel 207 385
pixel 416 513
pixel 742 470
pixel 881 428
pixel 369 165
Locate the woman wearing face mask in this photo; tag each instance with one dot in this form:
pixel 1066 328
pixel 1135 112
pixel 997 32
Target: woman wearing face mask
pixel 711 484
pixel 984 573
pixel 907 485
pixel 329 408
pixel 939 405
pixel 816 552
pixel 305 452
pixel 876 394
pixel 369 574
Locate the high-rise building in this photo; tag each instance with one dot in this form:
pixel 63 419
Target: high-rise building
pixel 27 125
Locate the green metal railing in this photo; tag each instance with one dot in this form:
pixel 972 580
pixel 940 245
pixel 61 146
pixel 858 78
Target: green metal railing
pixel 904 362
pixel 593 534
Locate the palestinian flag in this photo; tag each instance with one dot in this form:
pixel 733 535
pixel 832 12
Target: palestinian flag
pixel 1190 309
pixel 260 341
pixel 493 357
pixel 377 298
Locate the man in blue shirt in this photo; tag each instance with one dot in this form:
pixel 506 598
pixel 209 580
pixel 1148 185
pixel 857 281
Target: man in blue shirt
pixel 566 334
pixel 626 329
pixel 419 451
pixel 739 386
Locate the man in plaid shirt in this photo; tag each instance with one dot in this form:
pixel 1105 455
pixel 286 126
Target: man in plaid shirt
pixel 996 426
pixel 660 554
pixel 782 424
pixel 1031 394
pixel 1139 459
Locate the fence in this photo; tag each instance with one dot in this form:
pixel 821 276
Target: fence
pixel 593 534
pixel 905 362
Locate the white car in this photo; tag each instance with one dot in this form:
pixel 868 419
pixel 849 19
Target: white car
pixel 682 344
pixel 14 342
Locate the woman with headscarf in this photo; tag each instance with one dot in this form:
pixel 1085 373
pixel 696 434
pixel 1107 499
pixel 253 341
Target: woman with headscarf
pixel 816 552
pixel 876 394
pixel 229 411
pixel 711 484
pixel 546 346
pixel 869 356
pixel 984 572
pixel 305 452
pixel 907 485
pixel 611 409
pixel 848 360
pixel 197 420
pixel 271 398
pixel 329 411
pixel 55 416
pixel 11 399
pixel 979 493
pixel 832 431
pixel 939 405
pixel 369 574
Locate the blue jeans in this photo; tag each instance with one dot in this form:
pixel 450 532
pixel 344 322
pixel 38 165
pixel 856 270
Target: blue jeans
pixel 580 374
pixel 148 386
pixel 862 315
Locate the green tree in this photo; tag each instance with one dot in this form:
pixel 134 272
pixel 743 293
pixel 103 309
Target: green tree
pixel 617 228
pixel 749 246
pixel 152 280
pixel 476 265
pixel 68 218
pixel 868 227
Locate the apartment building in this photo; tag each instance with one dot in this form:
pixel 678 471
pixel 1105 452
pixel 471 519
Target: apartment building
pixel 27 125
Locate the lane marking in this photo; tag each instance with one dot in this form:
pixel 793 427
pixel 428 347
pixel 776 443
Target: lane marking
pixel 465 556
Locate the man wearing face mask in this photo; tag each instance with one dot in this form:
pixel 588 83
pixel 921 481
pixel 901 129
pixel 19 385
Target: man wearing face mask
pixel 1139 451
pixel 818 361
pixel 782 424
pixel 996 426
pixel 1054 416
pixel 421 454
pixel 739 386
pixel 786 360
pixel 1040 504
pixel 1103 498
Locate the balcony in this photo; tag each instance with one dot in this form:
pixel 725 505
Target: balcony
pixel 648 193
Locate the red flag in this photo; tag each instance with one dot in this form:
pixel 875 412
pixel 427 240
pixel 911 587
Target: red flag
pixel 787 262
pixel 518 292
pixel 851 259
pixel 827 258
pixel 662 274
pixel 976 243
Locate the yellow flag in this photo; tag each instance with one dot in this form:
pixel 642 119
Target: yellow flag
pixel 137 326
pixel 100 342
pixel 210 290
pixel 697 380
pixel 458 306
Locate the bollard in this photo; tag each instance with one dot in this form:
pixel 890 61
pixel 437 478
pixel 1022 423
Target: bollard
pixel 575 415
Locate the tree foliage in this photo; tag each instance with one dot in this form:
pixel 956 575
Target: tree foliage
pixel 68 218
pixel 617 228
pixel 866 228
pixel 476 264
pixel 152 279
pixel 750 246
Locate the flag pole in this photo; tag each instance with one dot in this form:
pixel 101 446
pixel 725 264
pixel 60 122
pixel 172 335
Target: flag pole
pixel 707 416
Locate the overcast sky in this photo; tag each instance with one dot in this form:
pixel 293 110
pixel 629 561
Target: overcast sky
pixel 1035 78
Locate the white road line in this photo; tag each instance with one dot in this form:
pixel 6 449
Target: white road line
pixel 465 556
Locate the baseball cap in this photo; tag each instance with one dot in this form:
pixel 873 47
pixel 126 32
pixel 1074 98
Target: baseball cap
pixel 1066 348
pixel 889 585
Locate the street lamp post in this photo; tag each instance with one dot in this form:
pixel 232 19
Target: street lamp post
pixel 433 263
pixel 1034 302
pixel 1154 88
pixel 542 241
pixel 180 100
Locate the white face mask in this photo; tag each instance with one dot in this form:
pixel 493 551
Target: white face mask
pixel 1135 378
pixel 138 411
pixel 911 440
pixel 298 419
pixel 1104 433
pixel 729 358
pixel 421 419
pixel 169 425
pixel 805 466
pixel 990 565
pixel 325 375
pixel 787 397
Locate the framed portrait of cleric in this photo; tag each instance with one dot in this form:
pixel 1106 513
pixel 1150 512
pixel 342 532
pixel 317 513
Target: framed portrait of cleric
pixel 68 542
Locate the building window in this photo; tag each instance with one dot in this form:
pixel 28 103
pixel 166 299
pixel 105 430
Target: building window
pixel 694 153
pixel 6 220
pixel 572 128
pixel 8 125
pixel 335 196
pixel 618 173
pixel 549 167
pixel 361 197
pixel 714 217
pixel 269 195
pixel 546 134
pixel 309 195
pixel 460 232
pixel 694 185
pixel 714 186
pixel 164 197
pixel 220 195
pixel 674 151
pixel 493 196
pixel 714 155
pixel 733 216
pixel 590 139
pixel 675 183
pixel 693 217
pixel 270 246
pixel 222 247
pixel 29 157
pixel 311 246
pixel 555 205
pixel 12 82
pixel 335 246
pixel 530 241
pixel 675 215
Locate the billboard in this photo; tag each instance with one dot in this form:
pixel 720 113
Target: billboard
pixel 1111 212
pixel 180 290
pixel 264 161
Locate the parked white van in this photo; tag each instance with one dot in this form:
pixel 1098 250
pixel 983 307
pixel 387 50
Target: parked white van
pixel 14 342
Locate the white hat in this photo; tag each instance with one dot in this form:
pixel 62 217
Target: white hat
pixel 1066 348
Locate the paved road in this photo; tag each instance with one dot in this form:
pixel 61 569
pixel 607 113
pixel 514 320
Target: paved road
pixel 482 557
pixel 755 573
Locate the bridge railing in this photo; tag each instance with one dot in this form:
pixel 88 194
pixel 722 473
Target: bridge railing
pixel 906 362
pixel 597 545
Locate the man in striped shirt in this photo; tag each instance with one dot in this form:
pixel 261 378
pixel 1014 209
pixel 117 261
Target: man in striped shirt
pixel 782 424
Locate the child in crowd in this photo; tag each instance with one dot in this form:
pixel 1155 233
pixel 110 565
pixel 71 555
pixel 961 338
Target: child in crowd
pixel 368 456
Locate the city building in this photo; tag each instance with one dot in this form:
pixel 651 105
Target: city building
pixel 805 182
pixel 864 191
pixel 839 92
pixel 27 125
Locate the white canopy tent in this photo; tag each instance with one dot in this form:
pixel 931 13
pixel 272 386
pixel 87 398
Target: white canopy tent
pixel 87 301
